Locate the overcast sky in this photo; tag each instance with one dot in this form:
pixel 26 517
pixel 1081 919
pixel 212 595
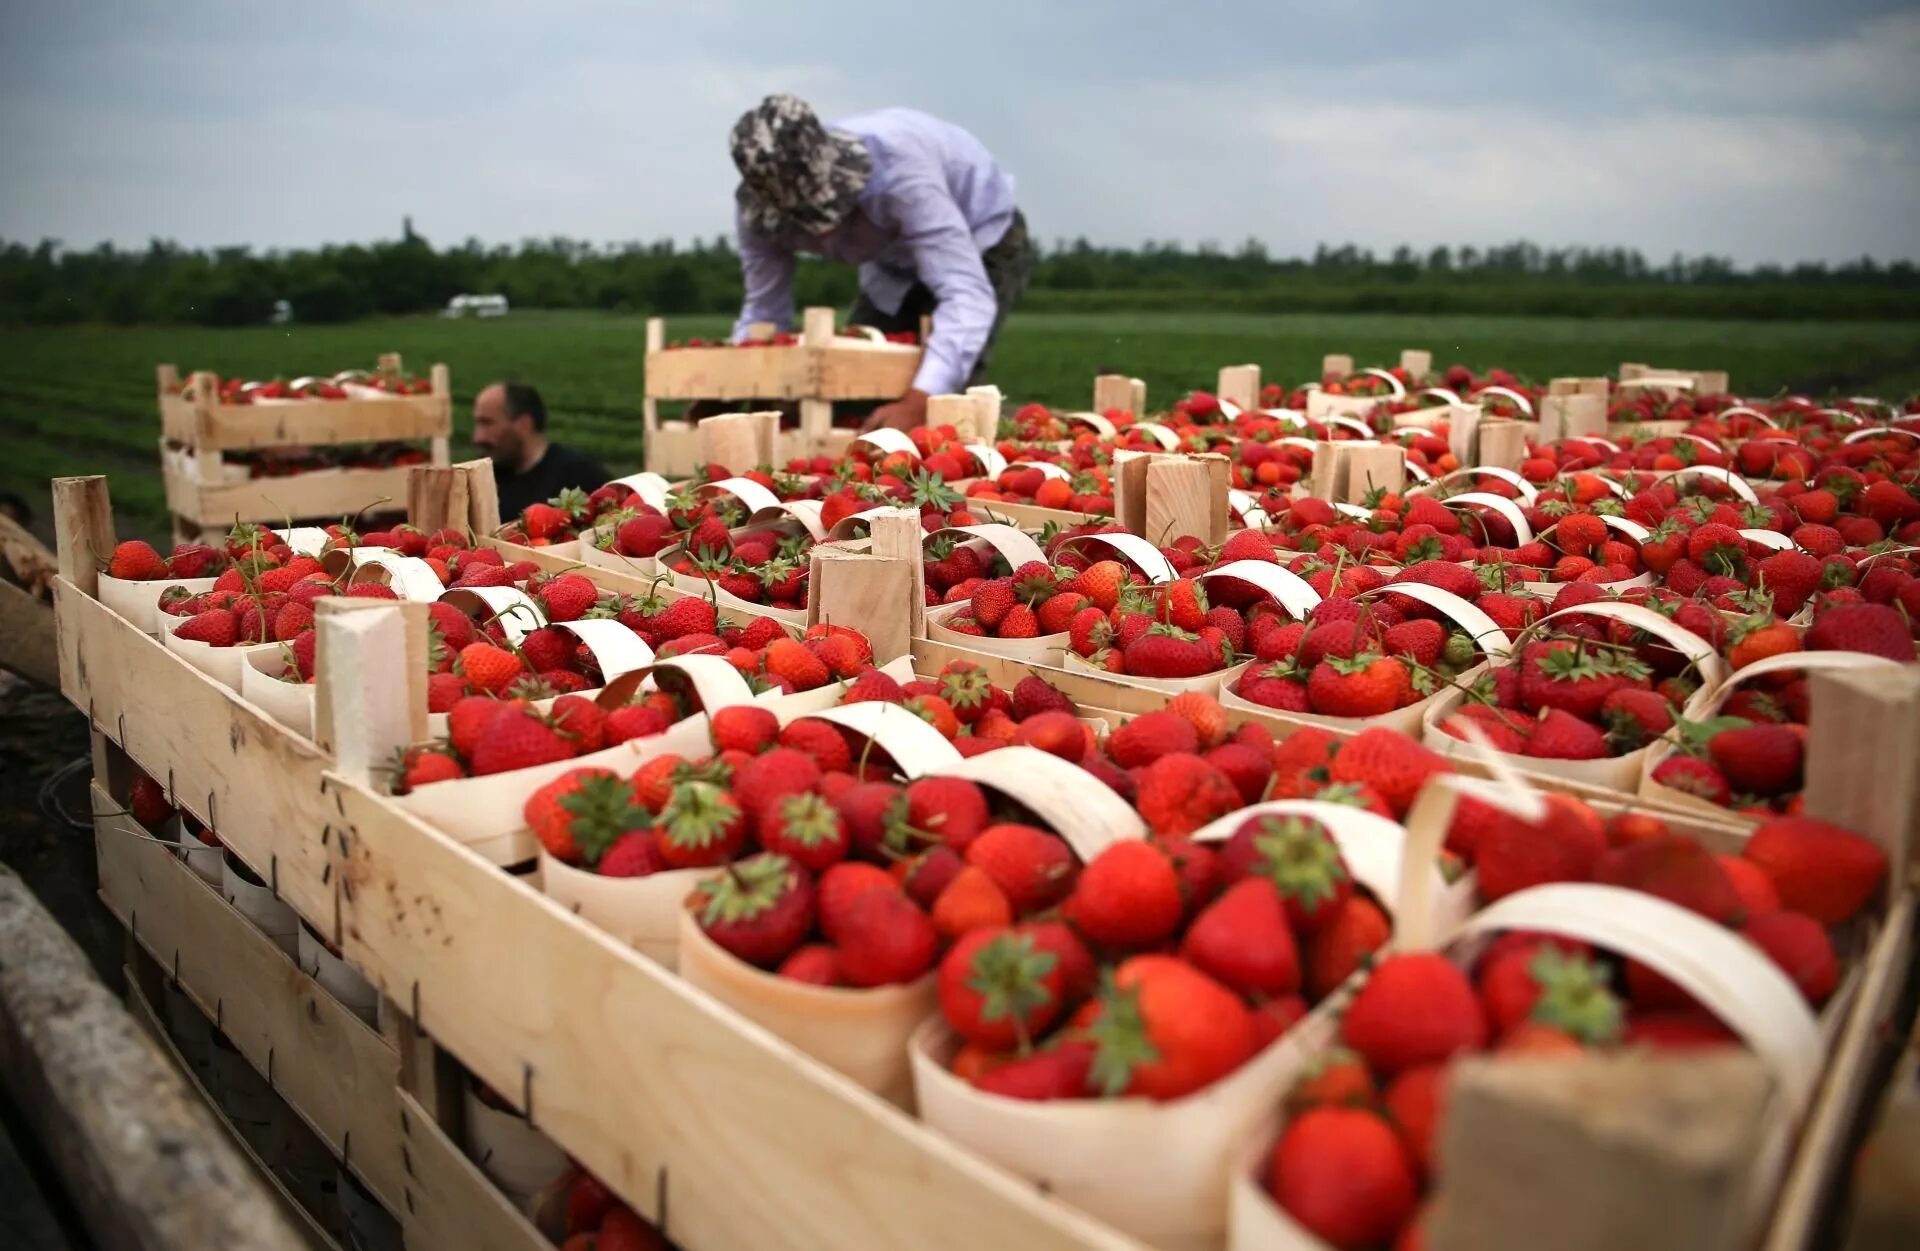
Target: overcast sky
pixel 1765 129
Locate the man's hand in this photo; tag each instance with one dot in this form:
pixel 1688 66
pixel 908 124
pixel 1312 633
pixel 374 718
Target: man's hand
pixel 905 413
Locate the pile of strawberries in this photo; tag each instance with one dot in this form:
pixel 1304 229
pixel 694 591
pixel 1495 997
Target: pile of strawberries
pixel 137 561
pixel 1088 489
pixel 1363 1123
pixel 756 566
pixel 496 727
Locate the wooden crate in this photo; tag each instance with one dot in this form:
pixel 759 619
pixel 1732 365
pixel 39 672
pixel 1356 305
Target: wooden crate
pixel 206 492
pixel 820 369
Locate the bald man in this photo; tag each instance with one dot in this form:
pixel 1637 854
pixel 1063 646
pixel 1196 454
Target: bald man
pixel 509 425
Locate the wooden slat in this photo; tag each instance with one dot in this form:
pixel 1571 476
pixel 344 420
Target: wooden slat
pixel 725 373
pixel 328 1064
pixel 298 1228
pixel 234 427
pixel 863 373
pixel 633 1072
pixel 328 494
pixel 448 1204
pixel 247 776
pixel 27 636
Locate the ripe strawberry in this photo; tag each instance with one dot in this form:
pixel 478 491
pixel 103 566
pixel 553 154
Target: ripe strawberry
pixel 149 804
pixel 1365 686
pixel 1298 856
pixel 925 876
pixel 517 737
pixel 1034 868
pixel 748 728
pixel 1101 583
pixel 568 597
pixel 488 668
pixel 1820 869
pixel 1128 897
pixel 1390 762
pixel 821 741
pixel 777 771
pixel 1001 987
pixel 953 810
pixel 1058 1071
pixel 1560 735
pixel 1800 946
pixel 1150 736
pixel 1244 940
pixel 1055 733
pixel 135 561
pixel 1033 694
pixel 633 721
pixel 991 602
pixel 1179 793
pixel 1634 718
pixel 1751 883
pixel 805 828
pixel 1164 1029
pixel 759 909
pixel 216 627
pixel 1167 651
pixel 885 939
pixel 841 885
pixel 1344 945
pixel 701 825
pixel 1684 1029
pixel 1679 871
pixel 1183 603
pixel 1693 776
pixel 814 964
pixel 1345 1176
pixel 970 901
pixel 686 617
pixel 1875 629
pixel 1758 759
pixel 1513 854
pixel 1416 1008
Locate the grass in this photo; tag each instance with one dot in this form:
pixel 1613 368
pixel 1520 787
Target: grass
pixel 81 399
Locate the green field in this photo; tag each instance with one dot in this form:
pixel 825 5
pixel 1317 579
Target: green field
pixel 81 399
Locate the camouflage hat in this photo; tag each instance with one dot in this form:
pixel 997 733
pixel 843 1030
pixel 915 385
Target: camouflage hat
pixel 793 170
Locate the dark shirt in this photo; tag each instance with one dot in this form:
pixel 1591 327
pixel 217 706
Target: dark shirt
pixel 561 467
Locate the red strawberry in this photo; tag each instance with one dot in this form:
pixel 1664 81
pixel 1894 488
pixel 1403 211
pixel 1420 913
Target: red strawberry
pixel 1164 1029
pixel 1034 868
pixel 1560 735
pixel 568 597
pixel 992 601
pixel 954 810
pixel 1150 736
pixel 701 825
pixel 1677 870
pixel 216 627
pixel 1344 945
pixel 1059 1071
pixel 517 737
pixel 1127 897
pixel 1800 946
pixel 1180 793
pixel 1366 686
pixel 1874 629
pixel 748 728
pixel 885 939
pixel 1001 987
pixel 778 771
pixel 814 964
pixel 1345 1176
pixel 1390 762
pixel 844 883
pixel 759 909
pixel 1416 1102
pixel 1035 694
pixel 1758 759
pixel 1827 872
pixel 1415 1009
pixel 1244 940
pixel 1298 855
pixel 805 828
pixel 136 561
pixel 1695 777
pixel 1512 854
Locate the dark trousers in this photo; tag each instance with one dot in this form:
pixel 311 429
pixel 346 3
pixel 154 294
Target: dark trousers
pixel 1009 266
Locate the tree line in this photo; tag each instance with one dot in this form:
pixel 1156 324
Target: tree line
pixel 48 283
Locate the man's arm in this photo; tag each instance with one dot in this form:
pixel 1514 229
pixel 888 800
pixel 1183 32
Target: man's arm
pixel 767 273
pixel 948 262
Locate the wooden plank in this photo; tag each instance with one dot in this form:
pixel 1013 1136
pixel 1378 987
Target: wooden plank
pixel 27 645
pixel 83 529
pixel 1184 496
pixel 448 1203
pixel 298 1228
pixel 1865 1040
pixel 1239 384
pixel 1503 444
pixel 851 372
pixel 1631 1150
pixel 635 1074
pixel 1860 767
pixel 145 1164
pixel 328 494
pixel 728 373
pixel 328 1065
pixel 224 760
pixel 1111 391
pixel 302 423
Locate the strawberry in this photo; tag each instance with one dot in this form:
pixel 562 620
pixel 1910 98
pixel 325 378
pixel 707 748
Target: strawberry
pixel 1033 694
pixel 1512 854
pixel 1677 870
pixel 954 810
pixel 1183 603
pixel 1344 1175
pixel 841 885
pixel 1544 984
pixel 884 939
pixel 685 617
pixel 488 668
pixel 1390 762
pixel 992 601
pixel 216 627
pixel 970 901
pixel 1057 1071
pixel 1633 718
pixel 1001 987
pixel 1101 582
pixel 702 825
pixel 1416 1008
pixel 1298 856
pixel 1035 869
pixel 1875 629
pixel 1163 1029
pixel 1365 686
pixel 1682 1029
pixel 1179 793
pixel 777 771
pixel 1570 676
pixel 1244 940
pixel 759 909
pixel 805 828
pixel 1696 777
pixel 1150 736
pixel 1800 946
pixel 1820 869
pixel 1758 759
pixel 748 728
pixel 1055 733
pixel 1167 651
pixel 1343 945
pixel 580 814
pixel 821 741
pixel 790 660
pixel 568 597
pixel 135 561
pixel 1560 735
pixel 517 737
pixel 814 964
pixel 1128 897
